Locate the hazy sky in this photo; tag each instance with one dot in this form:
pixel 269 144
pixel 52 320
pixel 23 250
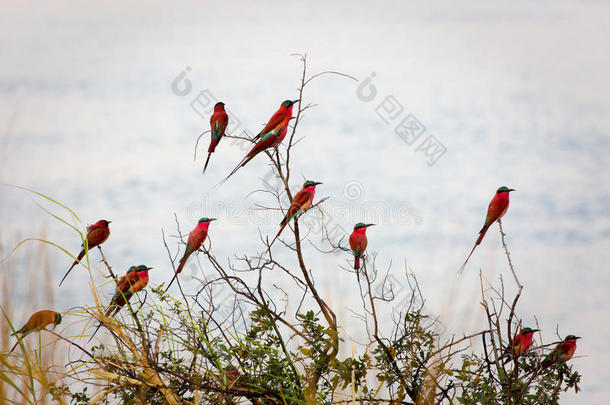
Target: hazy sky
pixel 517 95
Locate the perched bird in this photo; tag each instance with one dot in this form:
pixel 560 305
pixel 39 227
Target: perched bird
pixel 300 203
pixel 279 120
pixel 562 352
pixel 496 210
pixel 133 281
pixel 520 344
pixel 272 134
pixel 96 235
pixel 196 238
pixel 358 242
pixel 37 322
pixel 218 125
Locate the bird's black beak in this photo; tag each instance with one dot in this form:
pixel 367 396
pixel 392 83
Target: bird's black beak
pixel 367 225
pixel 212 219
pixel 511 189
pixel 149 268
pixel 577 337
pixel 109 222
pixel 317 182
pixel 535 330
pixel 295 101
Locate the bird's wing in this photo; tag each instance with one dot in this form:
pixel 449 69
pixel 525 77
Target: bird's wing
pixel 30 324
pixel 96 236
pixel 516 345
pixel 273 134
pixel 363 242
pixel 275 120
pixel 215 130
pixel 125 282
pixel 260 146
pixel 563 349
pixel 300 202
pixel 224 121
pixel 196 238
pixel 138 285
pixel 123 288
pixel 219 125
pixel 553 356
pixel 357 242
pixel 496 207
pixel 303 198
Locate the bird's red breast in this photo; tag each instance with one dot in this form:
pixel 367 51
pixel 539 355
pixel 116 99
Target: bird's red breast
pixel 358 241
pixel 198 235
pixel 141 282
pixel 522 342
pixel 133 282
pixel 497 207
pixel 283 134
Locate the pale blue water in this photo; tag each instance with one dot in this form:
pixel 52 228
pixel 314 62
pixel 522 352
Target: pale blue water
pixel 518 96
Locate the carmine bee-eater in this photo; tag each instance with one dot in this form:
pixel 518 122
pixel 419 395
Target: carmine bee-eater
pixel 300 203
pixel 96 235
pixel 37 322
pixel 133 281
pixel 272 134
pixel 218 125
pixel 520 344
pixel 562 352
pixel 358 242
pixel 196 238
pixel 496 210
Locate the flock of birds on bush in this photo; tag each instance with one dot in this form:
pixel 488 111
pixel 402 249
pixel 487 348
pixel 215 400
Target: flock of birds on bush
pixel 272 135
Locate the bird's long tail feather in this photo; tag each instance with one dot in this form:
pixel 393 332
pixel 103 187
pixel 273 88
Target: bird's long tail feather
pixel 279 232
pixel 15 345
pixel 99 325
pixel 356 262
pixel 80 256
pixel 461 270
pixel 240 165
pixel 66 275
pixel 207 161
pixel 481 235
pixel 112 310
pixel 19 338
pixel 178 270
pixel 477 243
